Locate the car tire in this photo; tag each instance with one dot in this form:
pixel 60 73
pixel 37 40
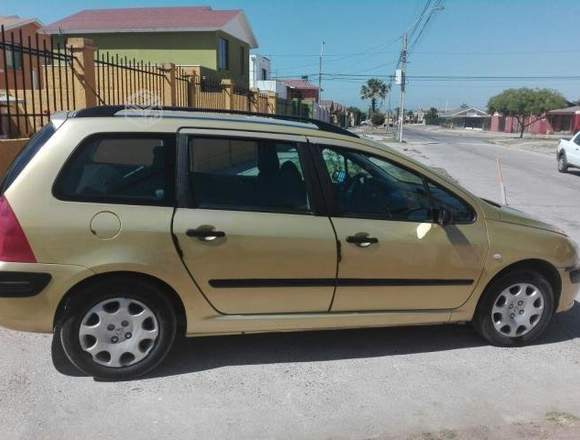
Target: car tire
pixel 562 163
pixel 515 309
pixel 117 328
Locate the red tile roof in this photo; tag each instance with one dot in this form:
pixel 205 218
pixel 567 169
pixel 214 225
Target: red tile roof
pixel 189 18
pixel 300 84
pixel 14 21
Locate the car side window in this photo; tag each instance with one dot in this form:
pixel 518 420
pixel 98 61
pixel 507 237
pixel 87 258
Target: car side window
pixel 370 187
pixel 120 168
pixel 461 212
pixel 577 139
pixel 247 174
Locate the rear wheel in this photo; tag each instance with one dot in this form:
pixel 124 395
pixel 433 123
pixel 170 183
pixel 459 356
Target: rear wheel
pixel 515 309
pixel 562 163
pixel 118 329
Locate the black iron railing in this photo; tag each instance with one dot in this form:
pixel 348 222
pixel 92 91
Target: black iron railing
pixel 37 78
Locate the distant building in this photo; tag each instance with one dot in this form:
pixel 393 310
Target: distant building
pixel 13 26
pixel 465 117
pixel 219 40
pixel 420 116
pixel 562 120
pixel 260 69
pixel 301 89
pixel 261 76
pixel 566 120
pixel 337 112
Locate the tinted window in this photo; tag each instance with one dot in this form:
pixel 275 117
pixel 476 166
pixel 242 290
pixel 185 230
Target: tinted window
pixel 366 186
pixel 120 169
pixel 461 211
pixel 257 175
pixel 25 156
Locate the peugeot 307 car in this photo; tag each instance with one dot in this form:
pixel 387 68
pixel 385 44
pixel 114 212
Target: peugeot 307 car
pixel 120 231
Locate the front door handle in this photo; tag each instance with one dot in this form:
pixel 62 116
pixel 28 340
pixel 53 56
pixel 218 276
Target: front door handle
pixel 362 239
pixel 205 234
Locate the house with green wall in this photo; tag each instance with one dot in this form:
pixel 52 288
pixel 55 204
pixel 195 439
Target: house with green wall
pixel 217 41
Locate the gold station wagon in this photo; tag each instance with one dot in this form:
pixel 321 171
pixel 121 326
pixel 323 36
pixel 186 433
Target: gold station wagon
pixel 120 231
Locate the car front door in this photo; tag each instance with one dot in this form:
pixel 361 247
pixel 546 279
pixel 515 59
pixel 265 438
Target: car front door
pixel 574 146
pixel 247 224
pixel 393 255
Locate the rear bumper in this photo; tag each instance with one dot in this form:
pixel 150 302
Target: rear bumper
pixel 22 284
pixel 30 293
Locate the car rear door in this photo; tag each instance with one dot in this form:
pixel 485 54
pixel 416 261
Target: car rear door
pixel 248 223
pixel 393 255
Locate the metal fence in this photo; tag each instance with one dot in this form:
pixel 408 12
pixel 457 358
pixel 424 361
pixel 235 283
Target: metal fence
pixel 124 81
pixel 37 78
pixel 208 93
pixel 40 76
pixel 182 85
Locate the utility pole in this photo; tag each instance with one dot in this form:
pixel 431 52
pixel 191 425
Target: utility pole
pixel 320 74
pixel 403 80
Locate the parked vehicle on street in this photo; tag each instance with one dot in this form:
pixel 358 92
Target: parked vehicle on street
pixel 120 232
pixel 568 153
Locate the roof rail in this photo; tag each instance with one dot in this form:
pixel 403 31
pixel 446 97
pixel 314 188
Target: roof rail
pixel 111 110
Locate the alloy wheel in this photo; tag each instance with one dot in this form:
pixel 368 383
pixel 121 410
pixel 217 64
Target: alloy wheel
pixel 118 332
pixel 517 309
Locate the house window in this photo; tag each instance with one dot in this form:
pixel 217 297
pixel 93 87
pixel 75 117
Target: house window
pixel 223 54
pixel 242 59
pixel 14 59
pixel 264 74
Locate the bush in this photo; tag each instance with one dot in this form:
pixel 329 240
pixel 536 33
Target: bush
pixel 378 118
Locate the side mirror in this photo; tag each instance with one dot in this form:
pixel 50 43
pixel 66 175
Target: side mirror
pixel 443 216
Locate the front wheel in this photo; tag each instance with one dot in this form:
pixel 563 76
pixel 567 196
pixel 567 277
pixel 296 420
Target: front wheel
pixel 562 163
pixel 515 309
pixel 117 329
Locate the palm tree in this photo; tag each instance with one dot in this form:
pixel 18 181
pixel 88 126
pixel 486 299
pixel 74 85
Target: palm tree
pixel 374 89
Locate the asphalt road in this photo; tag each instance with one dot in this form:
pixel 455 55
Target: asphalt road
pixel 532 181
pixel 422 382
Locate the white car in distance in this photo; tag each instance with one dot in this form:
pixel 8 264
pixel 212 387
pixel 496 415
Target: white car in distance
pixel 568 153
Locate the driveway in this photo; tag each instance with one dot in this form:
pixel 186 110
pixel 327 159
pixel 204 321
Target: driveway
pixel 422 383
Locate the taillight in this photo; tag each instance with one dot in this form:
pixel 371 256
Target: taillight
pixel 14 245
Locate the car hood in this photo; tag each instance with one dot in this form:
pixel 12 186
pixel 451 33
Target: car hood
pixel 515 216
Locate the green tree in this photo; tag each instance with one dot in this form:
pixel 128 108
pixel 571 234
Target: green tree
pixel 374 90
pixel 432 116
pixel 526 105
pixel 378 118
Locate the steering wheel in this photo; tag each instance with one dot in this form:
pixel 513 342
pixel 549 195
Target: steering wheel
pixel 352 183
pixel 364 188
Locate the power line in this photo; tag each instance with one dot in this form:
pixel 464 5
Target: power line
pixel 437 6
pixel 331 76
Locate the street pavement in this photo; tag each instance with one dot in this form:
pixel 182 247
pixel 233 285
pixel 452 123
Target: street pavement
pixel 532 181
pixel 421 383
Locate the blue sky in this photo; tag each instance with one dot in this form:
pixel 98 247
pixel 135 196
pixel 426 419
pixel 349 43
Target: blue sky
pixel 480 37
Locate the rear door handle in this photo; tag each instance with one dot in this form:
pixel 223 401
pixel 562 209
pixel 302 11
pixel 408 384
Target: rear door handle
pixel 205 234
pixel 362 239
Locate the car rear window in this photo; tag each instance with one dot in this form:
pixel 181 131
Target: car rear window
pixel 120 168
pixel 32 147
